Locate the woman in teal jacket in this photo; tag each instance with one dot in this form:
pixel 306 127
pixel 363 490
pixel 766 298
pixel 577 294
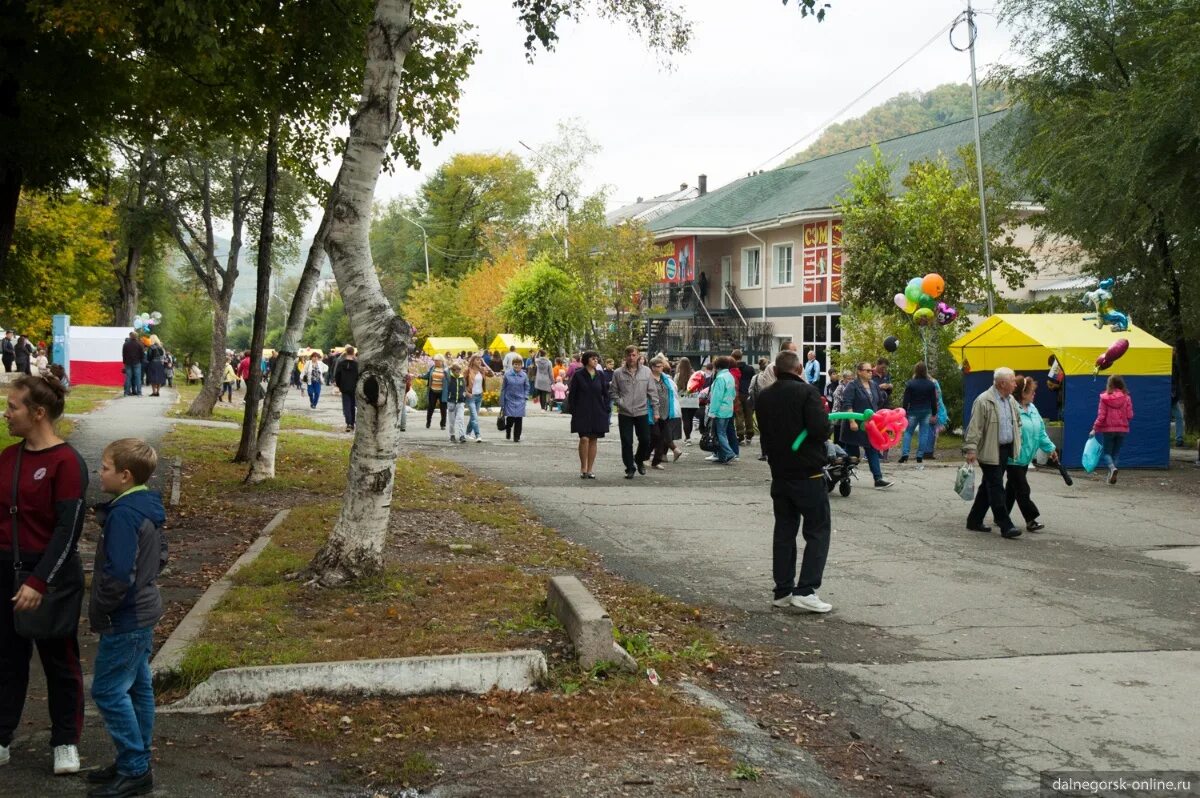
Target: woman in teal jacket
pixel 720 410
pixel 1033 438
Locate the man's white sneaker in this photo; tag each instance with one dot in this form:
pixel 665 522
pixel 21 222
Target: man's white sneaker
pixel 712 458
pixel 786 601
pixel 66 759
pixel 812 602
pixel 4 755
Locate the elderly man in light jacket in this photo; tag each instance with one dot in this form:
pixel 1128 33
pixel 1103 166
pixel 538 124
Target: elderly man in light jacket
pixel 992 435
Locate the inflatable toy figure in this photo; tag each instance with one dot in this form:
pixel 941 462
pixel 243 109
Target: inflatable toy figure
pixel 1101 299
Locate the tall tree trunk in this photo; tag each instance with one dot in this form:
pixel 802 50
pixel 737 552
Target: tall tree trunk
pixel 263 465
pixel 355 546
pixel 1189 386
pixel 10 195
pixel 221 293
pixel 127 287
pixel 266 242
pixel 127 275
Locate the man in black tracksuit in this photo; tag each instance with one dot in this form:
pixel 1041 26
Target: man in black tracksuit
pixel 784 410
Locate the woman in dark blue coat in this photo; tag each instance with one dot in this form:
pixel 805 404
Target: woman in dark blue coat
pixel 860 395
pixel 591 408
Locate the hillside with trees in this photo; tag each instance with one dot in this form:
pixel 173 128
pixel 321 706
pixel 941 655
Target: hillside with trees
pixel 910 112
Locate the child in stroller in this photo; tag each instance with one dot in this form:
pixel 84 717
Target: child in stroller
pixel 839 469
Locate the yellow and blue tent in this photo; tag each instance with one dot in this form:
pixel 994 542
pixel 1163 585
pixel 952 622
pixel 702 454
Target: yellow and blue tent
pixel 1025 343
pixel 442 345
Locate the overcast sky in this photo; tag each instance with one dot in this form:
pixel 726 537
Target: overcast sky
pixel 756 79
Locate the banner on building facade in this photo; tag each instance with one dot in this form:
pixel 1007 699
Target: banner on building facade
pixel 677 260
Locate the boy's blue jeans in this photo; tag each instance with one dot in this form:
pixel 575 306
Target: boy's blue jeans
pixel 123 690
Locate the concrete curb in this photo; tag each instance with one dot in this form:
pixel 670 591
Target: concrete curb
pixel 517 671
pixel 587 623
pixel 176 479
pixel 171 653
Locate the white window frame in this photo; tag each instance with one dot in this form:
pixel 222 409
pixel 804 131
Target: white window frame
pixel 745 283
pixel 777 260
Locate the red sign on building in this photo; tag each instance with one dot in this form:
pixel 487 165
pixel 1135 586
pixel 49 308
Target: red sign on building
pixel 677 260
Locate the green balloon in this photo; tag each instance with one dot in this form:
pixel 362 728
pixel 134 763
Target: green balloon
pixel 913 291
pixel 926 301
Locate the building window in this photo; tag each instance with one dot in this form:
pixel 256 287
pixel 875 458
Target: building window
pixel 822 261
pixel 782 257
pixel 751 267
pixel 821 333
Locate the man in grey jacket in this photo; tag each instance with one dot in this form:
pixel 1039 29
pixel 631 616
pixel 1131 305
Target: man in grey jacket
pixel 992 435
pixel 631 387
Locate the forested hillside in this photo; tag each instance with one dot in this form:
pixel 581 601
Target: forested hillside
pixel 905 113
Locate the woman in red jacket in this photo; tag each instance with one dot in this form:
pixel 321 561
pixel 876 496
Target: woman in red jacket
pixel 1112 423
pixel 51 481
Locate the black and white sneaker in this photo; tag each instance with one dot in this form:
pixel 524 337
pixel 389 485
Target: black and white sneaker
pixel 883 483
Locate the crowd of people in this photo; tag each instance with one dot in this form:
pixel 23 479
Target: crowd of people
pixel 146 363
pixel 19 354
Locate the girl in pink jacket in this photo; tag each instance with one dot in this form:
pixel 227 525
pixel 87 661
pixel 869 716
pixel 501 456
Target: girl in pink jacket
pixel 1112 423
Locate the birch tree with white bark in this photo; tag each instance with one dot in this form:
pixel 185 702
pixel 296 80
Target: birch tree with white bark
pixel 356 544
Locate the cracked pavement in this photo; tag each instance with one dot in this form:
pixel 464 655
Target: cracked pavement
pixel 985 660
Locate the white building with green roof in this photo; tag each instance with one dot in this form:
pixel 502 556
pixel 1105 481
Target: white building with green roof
pixel 767 250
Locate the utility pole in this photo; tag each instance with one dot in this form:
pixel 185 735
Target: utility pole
pixel 983 222
pixel 563 203
pixel 425 237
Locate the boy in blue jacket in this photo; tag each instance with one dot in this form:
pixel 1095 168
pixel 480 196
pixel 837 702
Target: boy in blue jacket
pixel 124 608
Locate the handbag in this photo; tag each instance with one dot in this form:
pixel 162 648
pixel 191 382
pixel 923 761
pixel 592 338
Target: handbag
pixel 706 441
pixel 58 614
pixel 964 482
pixel 1091 453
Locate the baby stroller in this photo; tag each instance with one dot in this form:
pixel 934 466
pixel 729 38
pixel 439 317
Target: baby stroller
pixel 840 469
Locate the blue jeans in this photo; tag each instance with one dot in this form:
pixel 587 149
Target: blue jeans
pixel 133 380
pixel 1177 416
pixel 916 420
pixel 314 392
pixel 1111 441
pixel 725 437
pixel 123 690
pixel 872 458
pixel 473 404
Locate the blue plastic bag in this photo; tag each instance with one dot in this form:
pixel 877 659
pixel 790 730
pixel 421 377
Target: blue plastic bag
pixel 1091 454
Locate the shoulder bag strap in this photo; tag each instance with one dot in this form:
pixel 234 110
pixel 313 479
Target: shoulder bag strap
pixel 12 510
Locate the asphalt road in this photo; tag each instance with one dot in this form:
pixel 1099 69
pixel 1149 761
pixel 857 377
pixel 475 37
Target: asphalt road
pixel 988 661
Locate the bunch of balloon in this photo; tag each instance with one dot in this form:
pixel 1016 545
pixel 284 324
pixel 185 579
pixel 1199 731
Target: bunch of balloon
pixel 146 322
pixel 920 301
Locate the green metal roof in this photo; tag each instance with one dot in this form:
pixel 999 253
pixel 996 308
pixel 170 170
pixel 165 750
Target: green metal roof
pixel 817 184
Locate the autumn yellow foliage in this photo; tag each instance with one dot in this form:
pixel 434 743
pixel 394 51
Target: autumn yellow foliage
pixel 60 261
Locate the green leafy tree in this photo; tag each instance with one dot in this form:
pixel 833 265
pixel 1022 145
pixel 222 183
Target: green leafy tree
pixel 547 304
pixel 434 309
pixel 931 225
pixel 1108 143
pixel 61 256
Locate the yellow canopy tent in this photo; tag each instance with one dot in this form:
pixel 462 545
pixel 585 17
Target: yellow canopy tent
pixel 503 341
pixel 1024 342
pixel 439 346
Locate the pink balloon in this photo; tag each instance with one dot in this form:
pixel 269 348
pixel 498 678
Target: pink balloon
pixel 945 313
pixel 901 301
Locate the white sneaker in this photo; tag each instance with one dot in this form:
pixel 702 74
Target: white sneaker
pixel 66 759
pixel 712 458
pixel 812 603
pixel 4 755
pixel 478 439
pixel 786 601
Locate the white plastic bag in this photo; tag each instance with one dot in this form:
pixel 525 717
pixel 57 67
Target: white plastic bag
pixel 410 398
pixel 964 482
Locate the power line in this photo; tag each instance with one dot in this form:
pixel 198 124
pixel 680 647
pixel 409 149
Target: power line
pixel 833 118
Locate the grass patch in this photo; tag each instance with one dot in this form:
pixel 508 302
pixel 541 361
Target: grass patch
pixel 86 398
pixel 233 413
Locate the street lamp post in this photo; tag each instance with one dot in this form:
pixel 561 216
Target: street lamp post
pixel 425 237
